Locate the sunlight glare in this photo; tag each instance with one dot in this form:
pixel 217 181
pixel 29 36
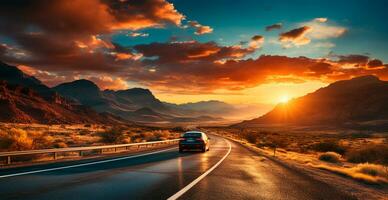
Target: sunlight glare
pixel 284 99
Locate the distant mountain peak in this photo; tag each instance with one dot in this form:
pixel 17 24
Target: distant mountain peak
pixel 136 91
pixel 83 83
pixel 366 79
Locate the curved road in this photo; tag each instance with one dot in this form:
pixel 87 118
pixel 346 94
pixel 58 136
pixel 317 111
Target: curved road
pixel 241 175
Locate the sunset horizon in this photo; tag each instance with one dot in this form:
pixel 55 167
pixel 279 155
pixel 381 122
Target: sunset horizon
pixel 189 55
pixel 193 99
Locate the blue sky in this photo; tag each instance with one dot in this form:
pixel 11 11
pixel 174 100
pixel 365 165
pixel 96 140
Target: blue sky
pixel 235 21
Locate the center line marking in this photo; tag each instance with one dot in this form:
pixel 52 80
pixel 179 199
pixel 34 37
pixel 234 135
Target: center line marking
pixel 84 164
pixel 193 183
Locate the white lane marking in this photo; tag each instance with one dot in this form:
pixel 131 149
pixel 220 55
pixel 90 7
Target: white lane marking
pixel 84 164
pixel 189 186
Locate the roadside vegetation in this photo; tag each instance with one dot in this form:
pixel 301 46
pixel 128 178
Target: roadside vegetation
pixel 361 155
pixel 16 137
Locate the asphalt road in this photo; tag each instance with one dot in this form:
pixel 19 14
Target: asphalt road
pixel 241 175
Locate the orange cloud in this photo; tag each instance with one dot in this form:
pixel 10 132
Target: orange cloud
pixel 190 51
pixel 109 83
pixel 74 35
pixel 295 37
pixel 200 29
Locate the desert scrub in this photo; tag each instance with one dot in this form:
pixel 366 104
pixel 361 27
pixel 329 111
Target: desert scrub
pixel 365 172
pixel 16 139
pixel 372 154
pixel 327 146
pixel 331 157
pixel 113 135
pixel 372 170
pixel 251 137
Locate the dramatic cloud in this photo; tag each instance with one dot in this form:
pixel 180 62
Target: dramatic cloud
pixel 200 29
pixel 256 42
pixel 107 82
pixel 64 40
pixel 359 60
pixel 295 37
pixel 190 51
pixel 75 35
pixel 317 28
pixel 274 26
pixel 320 29
pixel 375 63
pixel 194 67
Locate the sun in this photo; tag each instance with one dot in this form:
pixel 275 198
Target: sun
pixel 284 99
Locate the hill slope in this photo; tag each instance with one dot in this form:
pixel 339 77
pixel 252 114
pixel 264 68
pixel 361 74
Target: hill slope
pixel 359 100
pixel 24 99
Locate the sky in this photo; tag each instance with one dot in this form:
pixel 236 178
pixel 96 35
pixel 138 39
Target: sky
pixel 241 52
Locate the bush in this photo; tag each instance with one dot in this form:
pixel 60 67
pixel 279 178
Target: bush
pixel 84 132
pixel 329 146
pixel 178 129
pixel 372 154
pixel 331 157
pixel 113 135
pixel 60 145
pixel 251 137
pixel 19 139
pixel 372 170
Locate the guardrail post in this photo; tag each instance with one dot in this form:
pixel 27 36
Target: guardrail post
pixel 55 155
pixel 8 160
pixel 80 153
pixel 101 151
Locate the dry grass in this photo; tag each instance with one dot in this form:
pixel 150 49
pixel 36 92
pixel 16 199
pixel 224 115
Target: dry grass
pixel 18 139
pixel 332 150
pixel 38 136
pixel 372 154
pixel 367 173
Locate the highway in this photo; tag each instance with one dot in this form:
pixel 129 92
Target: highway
pixel 227 171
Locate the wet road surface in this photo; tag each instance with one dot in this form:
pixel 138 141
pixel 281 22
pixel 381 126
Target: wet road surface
pixel 241 175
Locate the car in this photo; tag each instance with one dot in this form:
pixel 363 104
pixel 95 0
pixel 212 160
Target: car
pixel 194 140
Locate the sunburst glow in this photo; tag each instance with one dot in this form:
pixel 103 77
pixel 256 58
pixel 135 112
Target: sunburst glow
pixel 284 99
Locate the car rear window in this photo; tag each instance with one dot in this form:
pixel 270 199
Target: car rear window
pixel 195 135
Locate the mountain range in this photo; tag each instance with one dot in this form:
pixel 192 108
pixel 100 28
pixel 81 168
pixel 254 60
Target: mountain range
pixel 26 99
pixel 361 102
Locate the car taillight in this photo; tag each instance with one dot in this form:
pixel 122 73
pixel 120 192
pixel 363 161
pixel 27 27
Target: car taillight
pixel 199 139
pixel 182 139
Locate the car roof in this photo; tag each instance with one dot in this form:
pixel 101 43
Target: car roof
pixel 194 132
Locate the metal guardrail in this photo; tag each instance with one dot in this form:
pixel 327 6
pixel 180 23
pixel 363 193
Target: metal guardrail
pixel 10 154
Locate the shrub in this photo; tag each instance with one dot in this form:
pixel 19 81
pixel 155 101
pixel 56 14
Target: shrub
pixel 60 145
pixel 329 146
pixel 251 137
pixel 372 154
pixel 113 135
pixel 19 139
pixel 84 132
pixel 178 129
pixel 372 170
pixel 331 157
